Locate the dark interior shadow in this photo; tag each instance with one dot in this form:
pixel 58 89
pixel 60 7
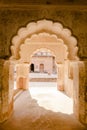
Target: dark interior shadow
pixel 28 115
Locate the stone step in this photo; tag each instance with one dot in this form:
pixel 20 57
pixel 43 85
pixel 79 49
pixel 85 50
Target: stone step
pixel 43 79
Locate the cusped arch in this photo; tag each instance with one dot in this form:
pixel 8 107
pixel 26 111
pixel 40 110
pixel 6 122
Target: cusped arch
pixel 46 41
pixel 49 27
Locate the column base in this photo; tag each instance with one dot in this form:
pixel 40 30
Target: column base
pixel 22 83
pixel 4 116
pixel 60 88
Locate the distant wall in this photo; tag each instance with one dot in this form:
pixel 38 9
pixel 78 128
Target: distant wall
pixel 46 61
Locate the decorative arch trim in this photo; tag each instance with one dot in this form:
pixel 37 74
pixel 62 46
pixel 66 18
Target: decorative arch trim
pixel 46 41
pixel 47 26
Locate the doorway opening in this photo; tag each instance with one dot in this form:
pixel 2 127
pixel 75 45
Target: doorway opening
pixel 32 67
pixel 43 84
pixel 54 37
pixel 41 68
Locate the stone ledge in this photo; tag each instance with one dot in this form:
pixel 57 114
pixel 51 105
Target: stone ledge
pixel 43 80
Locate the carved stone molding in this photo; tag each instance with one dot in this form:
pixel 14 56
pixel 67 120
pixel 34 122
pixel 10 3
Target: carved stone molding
pixel 49 27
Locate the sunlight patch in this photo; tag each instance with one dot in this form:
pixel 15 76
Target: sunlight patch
pixel 51 99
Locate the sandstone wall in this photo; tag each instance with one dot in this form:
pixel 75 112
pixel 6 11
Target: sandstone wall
pixel 43 2
pixel 14 17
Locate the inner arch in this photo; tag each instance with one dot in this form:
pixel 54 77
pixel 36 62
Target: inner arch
pixel 43 40
pixel 41 57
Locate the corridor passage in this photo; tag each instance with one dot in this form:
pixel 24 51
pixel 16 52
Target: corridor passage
pixel 42 108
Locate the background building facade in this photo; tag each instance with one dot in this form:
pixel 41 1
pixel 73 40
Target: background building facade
pixel 43 62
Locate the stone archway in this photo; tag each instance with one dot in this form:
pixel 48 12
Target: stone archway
pixel 46 34
pixel 49 27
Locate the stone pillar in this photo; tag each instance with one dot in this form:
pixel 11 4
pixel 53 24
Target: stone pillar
pixel 6 94
pixel 22 71
pixel 60 79
pixel 76 89
pixel 82 91
pixel 68 78
pixel 79 91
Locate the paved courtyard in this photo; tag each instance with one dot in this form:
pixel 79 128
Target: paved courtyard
pixel 42 107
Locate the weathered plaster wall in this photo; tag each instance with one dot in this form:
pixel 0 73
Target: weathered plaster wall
pixel 43 2
pixel 14 17
pixel 6 95
pixel 68 79
pixel 11 19
pixel 22 79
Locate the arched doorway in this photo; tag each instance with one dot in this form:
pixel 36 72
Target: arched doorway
pixel 52 36
pixel 32 67
pixel 45 66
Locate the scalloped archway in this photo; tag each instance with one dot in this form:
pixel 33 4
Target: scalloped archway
pixel 49 27
pixel 46 41
pixel 43 31
pixel 54 37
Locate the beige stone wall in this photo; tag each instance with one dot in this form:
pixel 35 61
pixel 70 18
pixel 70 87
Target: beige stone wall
pixel 82 91
pixel 6 90
pixel 11 19
pixel 44 2
pixel 46 61
pixel 68 79
pixel 14 17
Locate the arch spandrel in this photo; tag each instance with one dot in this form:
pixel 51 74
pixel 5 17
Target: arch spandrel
pixel 45 26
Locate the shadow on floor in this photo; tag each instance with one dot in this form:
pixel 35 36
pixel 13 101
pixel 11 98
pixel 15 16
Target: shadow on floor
pixel 28 115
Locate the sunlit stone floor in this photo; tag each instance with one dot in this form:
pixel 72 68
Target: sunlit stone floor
pixel 42 107
pixel 50 98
